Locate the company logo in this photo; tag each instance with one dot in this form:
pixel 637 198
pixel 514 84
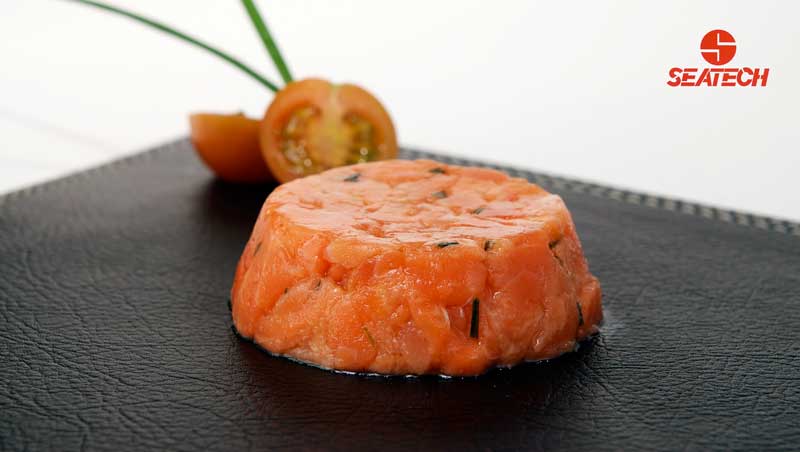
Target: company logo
pixel 718 47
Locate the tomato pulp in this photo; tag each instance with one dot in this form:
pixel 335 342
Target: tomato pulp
pixel 313 125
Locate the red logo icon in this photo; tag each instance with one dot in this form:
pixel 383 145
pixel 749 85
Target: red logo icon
pixel 718 47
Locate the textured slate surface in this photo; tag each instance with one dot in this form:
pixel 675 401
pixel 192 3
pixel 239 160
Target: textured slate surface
pixel 115 335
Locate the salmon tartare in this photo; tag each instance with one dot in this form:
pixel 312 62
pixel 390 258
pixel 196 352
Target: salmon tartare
pixel 414 267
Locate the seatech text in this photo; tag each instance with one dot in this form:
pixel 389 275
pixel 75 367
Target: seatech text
pixel 718 77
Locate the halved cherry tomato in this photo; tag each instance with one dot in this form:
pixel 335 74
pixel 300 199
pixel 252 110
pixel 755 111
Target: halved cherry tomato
pixel 313 125
pixel 229 146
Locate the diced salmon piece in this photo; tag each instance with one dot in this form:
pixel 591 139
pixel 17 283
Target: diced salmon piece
pixel 414 267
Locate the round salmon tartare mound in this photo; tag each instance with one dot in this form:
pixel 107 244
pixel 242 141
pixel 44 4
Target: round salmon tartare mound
pixel 414 267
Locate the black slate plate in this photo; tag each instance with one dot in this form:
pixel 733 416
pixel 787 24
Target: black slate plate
pixel 115 333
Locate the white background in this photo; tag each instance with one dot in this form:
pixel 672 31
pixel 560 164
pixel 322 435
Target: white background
pixel 575 89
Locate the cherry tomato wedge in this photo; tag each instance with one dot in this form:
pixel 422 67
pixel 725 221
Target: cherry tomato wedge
pixel 313 125
pixel 229 146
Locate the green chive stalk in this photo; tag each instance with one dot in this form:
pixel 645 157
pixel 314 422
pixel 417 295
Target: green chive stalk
pixel 186 38
pixel 266 37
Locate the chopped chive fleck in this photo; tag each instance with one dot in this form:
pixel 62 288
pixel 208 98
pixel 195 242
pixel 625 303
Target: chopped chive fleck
pixel 552 245
pixel 446 244
pixel 487 245
pixel 353 177
pixel 473 324
pixel 439 195
pixel 478 210
pixel 580 313
pixel 258 247
pixel 437 170
pixel 369 336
